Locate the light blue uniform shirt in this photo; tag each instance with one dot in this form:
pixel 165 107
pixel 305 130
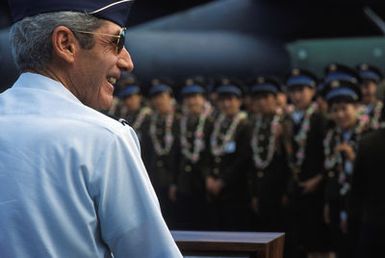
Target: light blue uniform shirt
pixel 72 182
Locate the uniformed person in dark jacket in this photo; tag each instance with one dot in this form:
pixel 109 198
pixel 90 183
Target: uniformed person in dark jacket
pixel 160 148
pixel 334 72
pixel 367 206
pixel 371 77
pixel 195 129
pixel 269 171
pixel 340 147
pixel 132 109
pixel 304 132
pixel 226 183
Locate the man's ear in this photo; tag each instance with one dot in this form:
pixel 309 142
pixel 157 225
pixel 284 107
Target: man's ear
pixel 64 44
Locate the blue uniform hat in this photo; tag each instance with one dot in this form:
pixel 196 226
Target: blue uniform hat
pixel 265 85
pixel 129 90
pixel 113 10
pixel 342 90
pixel 370 73
pixel 301 77
pixel 229 89
pixel 338 72
pixel 192 89
pixel 159 88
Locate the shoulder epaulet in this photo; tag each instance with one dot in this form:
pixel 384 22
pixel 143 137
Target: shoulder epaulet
pixel 121 120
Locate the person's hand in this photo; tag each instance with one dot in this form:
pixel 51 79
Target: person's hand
pixel 347 150
pixel 210 182
pixel 326 214
pixel 344 226
pixel 254 204
pixel 285 200
pixel 217 186
pixel 311 184
pixel 172 193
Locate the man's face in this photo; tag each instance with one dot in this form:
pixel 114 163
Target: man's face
pixel 94 68
pixel 266 103
pixel 162 102
pixel 132 102
pixel 229 104
pixel 344 114
pixel 194 103
pixel 369 92
pixel 301 96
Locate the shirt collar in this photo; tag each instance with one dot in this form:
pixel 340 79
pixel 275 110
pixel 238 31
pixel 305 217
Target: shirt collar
pixel 41 82
pixel 297 116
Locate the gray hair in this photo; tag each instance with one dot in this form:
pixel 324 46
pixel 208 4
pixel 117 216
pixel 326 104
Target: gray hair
pixel 31 37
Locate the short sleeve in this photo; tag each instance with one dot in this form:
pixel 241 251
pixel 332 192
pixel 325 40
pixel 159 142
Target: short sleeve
pixel 128 210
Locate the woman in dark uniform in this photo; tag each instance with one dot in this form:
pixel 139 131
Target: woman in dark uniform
pixel 340 146
pixel 226 184
pixel 269 171
pixel 195 129
pixel 304 131
pixel 160 148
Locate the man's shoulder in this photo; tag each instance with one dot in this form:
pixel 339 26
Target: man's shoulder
pixel 102 124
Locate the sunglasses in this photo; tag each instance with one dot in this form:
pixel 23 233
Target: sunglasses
pixel 118 39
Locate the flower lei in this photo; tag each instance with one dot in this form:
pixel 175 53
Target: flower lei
pixel 334 160
pixel 259 162
pixel 198 144
pixel 300 138
pixel 217 149
pixel 168 137
pixel 141 116
pixel 375 120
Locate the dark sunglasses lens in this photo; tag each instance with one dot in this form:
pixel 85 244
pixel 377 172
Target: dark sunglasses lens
pixel 121 40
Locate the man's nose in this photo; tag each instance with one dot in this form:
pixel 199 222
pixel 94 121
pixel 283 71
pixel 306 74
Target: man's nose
pixel 125 61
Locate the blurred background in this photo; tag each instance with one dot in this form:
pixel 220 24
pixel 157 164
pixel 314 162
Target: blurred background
pixel 240 38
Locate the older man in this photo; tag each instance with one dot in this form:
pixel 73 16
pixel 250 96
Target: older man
pixel 72 183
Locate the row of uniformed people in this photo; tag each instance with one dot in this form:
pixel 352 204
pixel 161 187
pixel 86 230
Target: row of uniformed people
pixel 290 166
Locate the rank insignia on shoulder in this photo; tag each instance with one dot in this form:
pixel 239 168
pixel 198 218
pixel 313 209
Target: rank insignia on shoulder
pixel 123 121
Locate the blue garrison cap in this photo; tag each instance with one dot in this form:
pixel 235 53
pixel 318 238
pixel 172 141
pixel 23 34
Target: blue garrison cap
pixel 346 90
pixel 369 72
pixel 192 89
pixel 338 72
pixel 265 85
pixel 229 89
pixel 129 90
pixel 159 88
pixel 301 77
pixel 113 10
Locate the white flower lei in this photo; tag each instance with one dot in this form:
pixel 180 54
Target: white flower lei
pixel 301 137
pixel 375 120
pixel 216 149
pixel 168 137
pixel 259 162
pixel 333 159
pixel 194 155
